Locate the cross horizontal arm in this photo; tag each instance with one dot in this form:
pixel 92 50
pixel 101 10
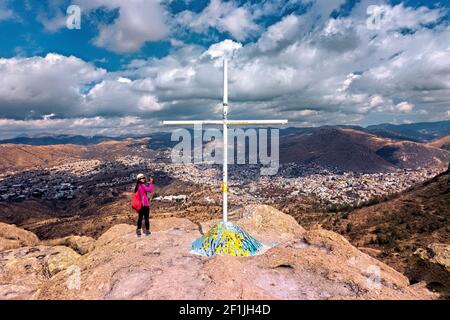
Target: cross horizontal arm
pixel 257 122
pixel 191 122
pixel 221 122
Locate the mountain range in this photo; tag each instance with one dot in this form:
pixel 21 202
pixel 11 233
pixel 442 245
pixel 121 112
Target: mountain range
pixel 48 139
pixel 417 132
pixel 381 148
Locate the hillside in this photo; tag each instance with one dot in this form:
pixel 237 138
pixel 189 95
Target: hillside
pixel 443 143
pixel 353 150
pixel 412 155
pixel 398 228
pixel 19 157
pixel 297 264
pixel 24 156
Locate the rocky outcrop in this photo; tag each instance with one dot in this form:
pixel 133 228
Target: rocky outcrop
pixel 295 264
pixel 25 270
pixel 12 237
pixel 82 245
pixel 269 225
pixel 441 255
pixel 436 260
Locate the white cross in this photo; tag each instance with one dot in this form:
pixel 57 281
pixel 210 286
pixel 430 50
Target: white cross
pixel 225 122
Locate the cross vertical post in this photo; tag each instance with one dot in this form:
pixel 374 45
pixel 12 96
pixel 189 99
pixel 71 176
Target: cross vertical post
pixel 225 143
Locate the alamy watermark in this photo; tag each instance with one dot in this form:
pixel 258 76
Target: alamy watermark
pixel 245 146
pixel 372 274
pixel 73 20
pixel 73 274
pixel 377 17
pixel 374 277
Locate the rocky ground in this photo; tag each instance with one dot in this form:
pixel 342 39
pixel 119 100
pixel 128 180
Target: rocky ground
pixel 296 264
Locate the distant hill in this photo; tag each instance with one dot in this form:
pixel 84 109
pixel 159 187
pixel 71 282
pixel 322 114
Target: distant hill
pixel 443 143
pixel 58 139
pixel 159 140
pixel 17 156
pixel 354 150
pixel 418 132
pixel 23 156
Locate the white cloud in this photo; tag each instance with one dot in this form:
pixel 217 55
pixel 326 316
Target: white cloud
pixel 123 80
pixel 119 98
pixel 225 16
pixel 280 33
pixel 138 22
pixel 404 107
pixel 56 86
pixel 221 49
pixel 114 126
pixel 148 103
pixel 48 116
pixel 386 17
pixel 376 101
pixel 52 18
pixel 37 86
pixel 306 113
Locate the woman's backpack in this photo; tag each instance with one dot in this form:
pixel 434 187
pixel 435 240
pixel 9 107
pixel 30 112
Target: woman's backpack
pixel 136 202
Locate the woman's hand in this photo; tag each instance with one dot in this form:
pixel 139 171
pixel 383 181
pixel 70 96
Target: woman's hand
pixel 150 180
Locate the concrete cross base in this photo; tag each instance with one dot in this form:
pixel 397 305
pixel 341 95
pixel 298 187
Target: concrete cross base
pixel 226 238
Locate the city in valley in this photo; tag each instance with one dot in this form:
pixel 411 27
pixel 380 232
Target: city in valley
pixel 325 188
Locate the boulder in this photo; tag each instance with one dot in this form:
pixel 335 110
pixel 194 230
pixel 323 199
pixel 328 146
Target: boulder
pixel 440 255
pixel 12 237
pixel 435 259
pixel 24 270
pixel 269 225
pixel 80 244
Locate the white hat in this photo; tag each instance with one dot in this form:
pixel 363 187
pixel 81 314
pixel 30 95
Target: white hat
pixel 140 176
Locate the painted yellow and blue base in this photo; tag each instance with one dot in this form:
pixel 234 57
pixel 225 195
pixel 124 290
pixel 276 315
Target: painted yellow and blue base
pixel 226 238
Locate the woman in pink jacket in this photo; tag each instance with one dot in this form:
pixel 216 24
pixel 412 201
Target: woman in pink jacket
pixel 143 188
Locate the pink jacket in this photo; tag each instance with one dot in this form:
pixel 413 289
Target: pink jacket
pixel 143 189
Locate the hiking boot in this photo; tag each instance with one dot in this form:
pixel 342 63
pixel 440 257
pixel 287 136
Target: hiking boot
pixel 138 232
pixel 147 232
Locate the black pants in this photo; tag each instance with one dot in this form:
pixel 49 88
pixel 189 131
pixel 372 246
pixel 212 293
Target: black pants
pixel 144 213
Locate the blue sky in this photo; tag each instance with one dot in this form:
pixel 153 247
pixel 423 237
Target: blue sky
pixel 136 62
